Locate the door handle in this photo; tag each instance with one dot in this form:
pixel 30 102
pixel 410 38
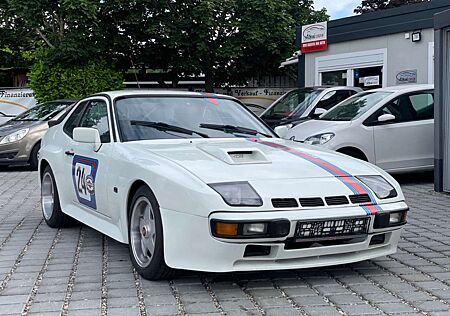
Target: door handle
pixel 69 153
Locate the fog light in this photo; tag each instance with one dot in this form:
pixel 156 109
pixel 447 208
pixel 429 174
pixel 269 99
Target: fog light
pixel 226 229
pixel 398 217
pixel 250 230
pixel 395 218
pixel 254 229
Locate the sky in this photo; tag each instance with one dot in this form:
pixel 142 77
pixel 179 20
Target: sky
pixel 337 8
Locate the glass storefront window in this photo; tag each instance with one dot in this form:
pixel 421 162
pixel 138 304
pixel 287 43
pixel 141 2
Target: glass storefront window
pixel 334 78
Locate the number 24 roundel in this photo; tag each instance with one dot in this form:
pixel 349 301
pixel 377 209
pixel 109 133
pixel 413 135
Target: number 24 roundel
pixel 84 170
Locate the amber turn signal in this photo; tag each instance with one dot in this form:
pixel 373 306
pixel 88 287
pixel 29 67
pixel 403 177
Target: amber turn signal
pixel 226 229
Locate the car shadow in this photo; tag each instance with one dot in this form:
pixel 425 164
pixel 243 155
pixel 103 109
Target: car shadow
pixel 415 177
pixel 24 168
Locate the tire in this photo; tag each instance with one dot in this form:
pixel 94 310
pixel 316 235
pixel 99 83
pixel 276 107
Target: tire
pixel 145 235
pixel 51 207
pixel 34 161
pixel 355 153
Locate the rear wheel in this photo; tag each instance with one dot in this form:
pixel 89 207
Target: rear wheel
pixel 145 236
pixel 51 208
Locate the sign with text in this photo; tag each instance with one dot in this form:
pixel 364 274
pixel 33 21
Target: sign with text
pixel 406 76
pixel 314 37
pixel 15 101
pixel 371 81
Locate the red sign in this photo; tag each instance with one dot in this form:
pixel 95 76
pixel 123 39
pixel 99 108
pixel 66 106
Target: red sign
pixel 314 37
pixel 316 46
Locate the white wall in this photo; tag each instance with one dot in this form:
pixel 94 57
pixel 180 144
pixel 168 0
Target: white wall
pixel 402 54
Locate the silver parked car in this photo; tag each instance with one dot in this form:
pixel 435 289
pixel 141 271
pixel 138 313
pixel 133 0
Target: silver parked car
pixel 20 137
pixel 305 103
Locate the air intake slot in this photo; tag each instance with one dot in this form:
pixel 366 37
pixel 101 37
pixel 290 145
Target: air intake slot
pixel 360 198
pixel 336 200
pixel 311 202
pixel 232 154
pixel 284 203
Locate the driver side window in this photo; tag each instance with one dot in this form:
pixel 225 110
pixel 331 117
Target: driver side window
pixel 96 116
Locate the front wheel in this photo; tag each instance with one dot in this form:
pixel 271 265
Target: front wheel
pixel 145 235
pixel 51 208
pixel 34 161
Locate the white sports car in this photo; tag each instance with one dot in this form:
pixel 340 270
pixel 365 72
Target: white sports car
pixel 194 181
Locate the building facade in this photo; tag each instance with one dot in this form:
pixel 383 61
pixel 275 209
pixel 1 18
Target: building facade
pixel 374 50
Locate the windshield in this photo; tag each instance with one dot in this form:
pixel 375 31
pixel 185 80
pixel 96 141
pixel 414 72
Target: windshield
pixel 355 106
pixel 293 103
pixel 43 112
pixel 147 117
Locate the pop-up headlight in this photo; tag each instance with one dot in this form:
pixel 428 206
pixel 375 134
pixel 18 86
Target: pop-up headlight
pixel 238 194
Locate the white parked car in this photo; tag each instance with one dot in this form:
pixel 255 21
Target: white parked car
pixel 193 181
pixel 390 127
pixel 303 104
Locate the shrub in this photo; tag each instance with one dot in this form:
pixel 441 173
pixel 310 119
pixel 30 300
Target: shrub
pixel 59 82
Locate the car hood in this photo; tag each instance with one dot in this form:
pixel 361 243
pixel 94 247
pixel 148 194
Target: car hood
pixel 229 160
pixel 315 127
pixel 13 126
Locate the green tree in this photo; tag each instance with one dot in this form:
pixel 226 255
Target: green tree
pixel 376 5
pixel 14 40
pixel 228 41
pixel 58 82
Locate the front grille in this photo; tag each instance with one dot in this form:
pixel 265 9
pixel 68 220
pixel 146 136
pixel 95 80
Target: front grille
pixel 336 200
pixel 332 228
pixel 8 155
pixel 284 203
pixel 360 198
pixel 311 202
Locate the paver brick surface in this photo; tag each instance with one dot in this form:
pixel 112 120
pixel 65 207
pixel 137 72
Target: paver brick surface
pixel 78 271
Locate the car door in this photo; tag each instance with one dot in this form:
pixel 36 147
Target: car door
pixel 88 169
pixel 407 141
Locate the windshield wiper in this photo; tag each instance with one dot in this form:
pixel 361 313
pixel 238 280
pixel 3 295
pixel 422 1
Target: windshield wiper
pixel 234 129
pixel 160 126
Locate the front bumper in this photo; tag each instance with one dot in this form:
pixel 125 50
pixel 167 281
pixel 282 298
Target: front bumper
pixel 189 244
pixel 15 153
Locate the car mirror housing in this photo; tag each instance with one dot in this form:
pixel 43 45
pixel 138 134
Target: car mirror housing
pixel 386 118
pixel 88 136
pixel 319 111
pixel 282 131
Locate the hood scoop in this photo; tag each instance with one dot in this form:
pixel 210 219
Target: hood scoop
pixel 237 156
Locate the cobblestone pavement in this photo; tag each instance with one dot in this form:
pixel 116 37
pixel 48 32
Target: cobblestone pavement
pixel 78 271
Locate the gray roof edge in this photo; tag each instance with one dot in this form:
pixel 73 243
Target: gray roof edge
pixel 442 19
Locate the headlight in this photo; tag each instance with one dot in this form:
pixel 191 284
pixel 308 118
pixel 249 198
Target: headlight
pixel 382 188
pixel 319 139
pixel 238 194
pixel 14 137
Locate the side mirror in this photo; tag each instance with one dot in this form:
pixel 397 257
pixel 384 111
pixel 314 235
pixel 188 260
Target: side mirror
pixel 386 118
pixel 87 136
pixel 282 131
pixel 319 111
